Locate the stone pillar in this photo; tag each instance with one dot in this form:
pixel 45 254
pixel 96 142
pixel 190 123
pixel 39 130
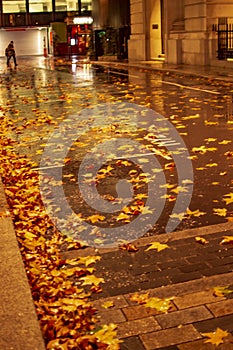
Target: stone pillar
pixel 195 45
pixel 174 30
pixel 137 41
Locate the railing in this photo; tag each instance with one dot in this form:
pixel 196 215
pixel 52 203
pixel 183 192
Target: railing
pixel 224 29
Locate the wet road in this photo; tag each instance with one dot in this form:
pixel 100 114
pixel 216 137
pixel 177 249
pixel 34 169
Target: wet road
pixel 134 162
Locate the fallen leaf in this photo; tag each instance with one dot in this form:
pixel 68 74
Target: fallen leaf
pixel 227 239
pixel 107 335
pixel 224 142
pixel 220 211
pixel 157 246
pixel 177 216
pixel 221 291
pixel 95 218
pixel 161 305
pixel 139 298
pixel 228 198
pixel 91 279
pixel 196 213
pixel 216 337
pixel 107 304
pixel 201 240
pixel 129 247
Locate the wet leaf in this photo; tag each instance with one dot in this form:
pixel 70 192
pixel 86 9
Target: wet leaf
pixel 224 142
pixel 177 216
pixel 129 247
pixel 139 298
pixel 220 211
pixel 221 291
pixel 108 304
pixel 196 213
pixel 91 279
pixel 96 218
pixel 201 240
pixel 157 246
pixel 107 335
pixel 87 260
pixel 161 305
pixel 228 198
pixel 203 149
pixel 227 240
pixel 216 337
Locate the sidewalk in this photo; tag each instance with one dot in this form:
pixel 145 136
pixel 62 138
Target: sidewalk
pixel 187 271
pixel 224 72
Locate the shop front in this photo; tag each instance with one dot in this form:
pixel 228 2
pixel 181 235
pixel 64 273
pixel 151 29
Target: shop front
pixel 73 37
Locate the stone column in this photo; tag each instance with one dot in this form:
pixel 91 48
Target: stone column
pixel 137 42
pixel 195 45
pixel 174 30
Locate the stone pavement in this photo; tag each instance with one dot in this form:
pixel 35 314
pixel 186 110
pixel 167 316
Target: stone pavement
pixel 187 271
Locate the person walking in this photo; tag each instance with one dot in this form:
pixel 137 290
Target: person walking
pixel 10 52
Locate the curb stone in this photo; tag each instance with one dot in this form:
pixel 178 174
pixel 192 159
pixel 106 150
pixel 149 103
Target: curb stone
pixel 19 324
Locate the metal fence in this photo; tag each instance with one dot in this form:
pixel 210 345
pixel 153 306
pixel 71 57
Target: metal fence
pixel 224 30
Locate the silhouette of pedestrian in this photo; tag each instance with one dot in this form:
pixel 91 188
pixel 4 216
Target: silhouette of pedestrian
pixel 10 52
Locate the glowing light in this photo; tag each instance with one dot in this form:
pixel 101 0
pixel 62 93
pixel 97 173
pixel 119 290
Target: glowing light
pixel 83 20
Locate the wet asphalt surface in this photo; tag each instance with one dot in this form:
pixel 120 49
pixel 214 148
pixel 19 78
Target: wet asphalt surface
pixel 64 117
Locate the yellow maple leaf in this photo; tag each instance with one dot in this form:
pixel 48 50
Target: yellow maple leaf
pixel 157 246
pixel 146 210
pixel 201 240
pixel 88 260
pixel 220 211
pixel 221 291
pixel 107 335
pixel 91 279
pixel 224 142
pixel 216 337
pixel 195 213
pixel 107 170
pixel 139 298
pixel 177 216
pixel 141 196
pixel 107 304
pixel 179 189
pixel 95 218
pixel 211 165
pixel 229 198
pixel 123 216
pixel 203 149
pixel 227 239
pixel 162 305
pixel 211 123
pixel 210 139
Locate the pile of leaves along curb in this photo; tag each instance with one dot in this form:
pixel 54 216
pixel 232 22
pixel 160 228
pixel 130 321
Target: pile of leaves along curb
pixel 65 313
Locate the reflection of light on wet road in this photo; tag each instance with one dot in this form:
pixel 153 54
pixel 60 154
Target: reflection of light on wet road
pixel 110 71
pixel 83 71
pixel 189 87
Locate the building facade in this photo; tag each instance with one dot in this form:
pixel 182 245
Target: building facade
pixel 36 25
pixel 184 31
pixel 64 27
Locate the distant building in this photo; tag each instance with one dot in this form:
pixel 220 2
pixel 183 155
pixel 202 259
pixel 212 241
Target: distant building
pixel 59 26
pixel 182 31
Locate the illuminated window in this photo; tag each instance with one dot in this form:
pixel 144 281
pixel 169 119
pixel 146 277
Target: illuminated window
pixel 86 5
pixel 66 5
pixel 12 6
pixel 40 5
pixel 72 5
